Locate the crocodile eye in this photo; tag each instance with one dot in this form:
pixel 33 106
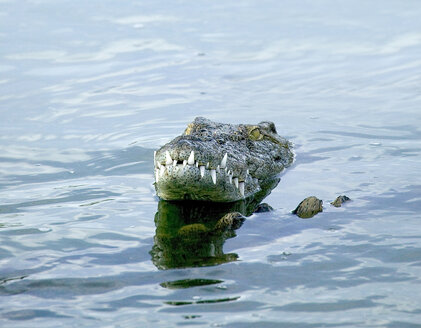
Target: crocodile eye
pixel 255 134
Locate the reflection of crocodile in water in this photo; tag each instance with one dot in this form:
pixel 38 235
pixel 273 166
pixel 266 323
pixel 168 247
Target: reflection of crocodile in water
pixel 220 162
pixel 190 234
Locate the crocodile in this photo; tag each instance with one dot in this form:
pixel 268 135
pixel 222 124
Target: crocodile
pixel 220 162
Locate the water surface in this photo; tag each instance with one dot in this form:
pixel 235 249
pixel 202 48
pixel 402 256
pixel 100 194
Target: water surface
pixel 89 89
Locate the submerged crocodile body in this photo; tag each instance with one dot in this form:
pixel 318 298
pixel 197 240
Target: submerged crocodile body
pixel 220 162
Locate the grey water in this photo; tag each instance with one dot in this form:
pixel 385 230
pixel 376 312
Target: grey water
pixel 89 89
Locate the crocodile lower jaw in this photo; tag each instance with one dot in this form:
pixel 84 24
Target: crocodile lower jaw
pixel 189 180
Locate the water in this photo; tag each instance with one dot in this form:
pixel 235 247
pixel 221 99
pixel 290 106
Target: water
pixel 89 89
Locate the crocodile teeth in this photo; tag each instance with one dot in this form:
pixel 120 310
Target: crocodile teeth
pixel 218 170
pixel 235 182
pixel 158 164
pixel 207 165
pixel 162 170
pixel 168 159
pixel 190 161
pixel 224 161
pixel 213 175
pixel 202 171
pixel 174 163
pixel 184 163
pixel 230 178
pixel 241 188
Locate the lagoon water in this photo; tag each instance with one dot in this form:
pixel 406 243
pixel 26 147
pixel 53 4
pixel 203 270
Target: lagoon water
pixel 88 90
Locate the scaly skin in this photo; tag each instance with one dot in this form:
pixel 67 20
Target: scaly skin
pixel 220 162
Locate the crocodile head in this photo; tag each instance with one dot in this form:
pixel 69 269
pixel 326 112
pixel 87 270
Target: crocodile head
pixel 220 162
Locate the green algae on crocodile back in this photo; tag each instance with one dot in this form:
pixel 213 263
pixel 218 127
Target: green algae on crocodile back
pixel 220 162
